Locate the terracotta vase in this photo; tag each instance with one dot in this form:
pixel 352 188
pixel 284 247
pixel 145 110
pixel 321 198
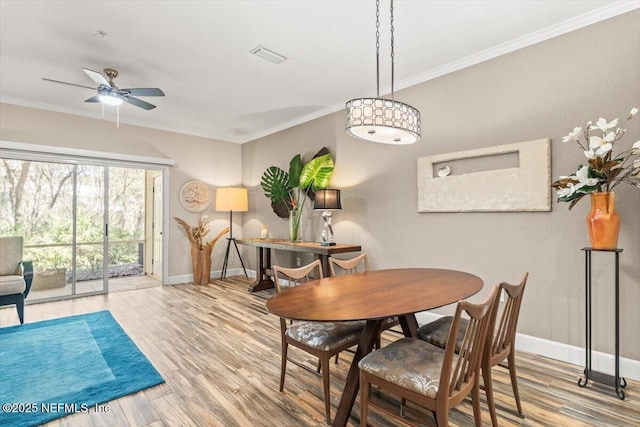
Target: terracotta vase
pixel 603 222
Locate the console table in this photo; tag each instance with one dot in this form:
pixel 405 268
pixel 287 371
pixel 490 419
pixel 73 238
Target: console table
pixel 264 247
pixel 614 381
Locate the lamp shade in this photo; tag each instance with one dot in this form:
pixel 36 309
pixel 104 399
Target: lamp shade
pixel 327 199
pixel 232 199
pixel 383 120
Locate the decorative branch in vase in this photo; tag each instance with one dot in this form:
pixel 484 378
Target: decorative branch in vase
pixel 602 173
pixel 288 191
pixel 200 251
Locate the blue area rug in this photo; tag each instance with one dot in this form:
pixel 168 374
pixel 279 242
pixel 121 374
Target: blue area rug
pixel 58 367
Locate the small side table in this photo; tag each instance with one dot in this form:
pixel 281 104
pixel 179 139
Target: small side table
pixel 590 374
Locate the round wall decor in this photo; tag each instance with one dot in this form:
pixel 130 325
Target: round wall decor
pixel 195 196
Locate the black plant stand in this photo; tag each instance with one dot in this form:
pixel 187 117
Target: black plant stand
pixel 590 374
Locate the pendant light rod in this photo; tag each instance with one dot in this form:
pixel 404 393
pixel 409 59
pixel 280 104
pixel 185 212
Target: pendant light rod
pixel 392 55
pixel 377 48
pixel 378 51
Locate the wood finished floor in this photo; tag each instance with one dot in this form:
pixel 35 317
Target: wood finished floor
pixel 219 351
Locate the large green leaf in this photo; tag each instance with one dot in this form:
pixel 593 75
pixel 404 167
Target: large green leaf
pixel 317 173
pixel 295 169
pixel 275 183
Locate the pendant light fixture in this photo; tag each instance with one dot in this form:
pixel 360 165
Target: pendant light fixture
pixel 386 121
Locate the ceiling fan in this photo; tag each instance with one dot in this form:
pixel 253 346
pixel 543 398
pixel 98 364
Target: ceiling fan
pixel 110 94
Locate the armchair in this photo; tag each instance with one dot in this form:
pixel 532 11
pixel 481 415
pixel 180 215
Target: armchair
pixel 16 275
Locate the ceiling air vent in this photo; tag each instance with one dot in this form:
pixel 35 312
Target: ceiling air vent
pixel 268 54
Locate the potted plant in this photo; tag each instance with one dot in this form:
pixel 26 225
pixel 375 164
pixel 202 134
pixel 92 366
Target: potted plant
pixel 602 173
pixel 288 191
pixel 49 278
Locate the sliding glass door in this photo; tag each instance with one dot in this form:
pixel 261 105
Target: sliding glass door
pixel 82 223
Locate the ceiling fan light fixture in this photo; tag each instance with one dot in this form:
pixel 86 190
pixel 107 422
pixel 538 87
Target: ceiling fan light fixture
pixel 110 98
pixel 381 120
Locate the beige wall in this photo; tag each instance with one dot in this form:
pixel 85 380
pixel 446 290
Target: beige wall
pixel 215 162
pixel 537 92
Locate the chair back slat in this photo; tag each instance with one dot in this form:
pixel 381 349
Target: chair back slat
pixel 504 334
pixel 297 276
pixel 348 266
pixel 468 363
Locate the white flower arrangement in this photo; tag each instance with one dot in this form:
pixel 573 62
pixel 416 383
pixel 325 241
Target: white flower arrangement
pixel 603 170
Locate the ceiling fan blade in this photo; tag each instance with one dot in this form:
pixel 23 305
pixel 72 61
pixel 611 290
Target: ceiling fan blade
pixel 97 77
pixel 93 99
pixel 145 91
pixel 139 103
pixel 66 83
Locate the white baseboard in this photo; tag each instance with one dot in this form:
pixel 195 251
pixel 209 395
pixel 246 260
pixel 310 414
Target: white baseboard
pixel 603 362
pixel 600 361
pixel 177 280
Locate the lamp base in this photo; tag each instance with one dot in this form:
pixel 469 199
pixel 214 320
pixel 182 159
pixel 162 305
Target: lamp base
pixel 327 243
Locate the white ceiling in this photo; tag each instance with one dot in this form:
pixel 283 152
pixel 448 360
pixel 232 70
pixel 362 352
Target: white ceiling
pixel 197 53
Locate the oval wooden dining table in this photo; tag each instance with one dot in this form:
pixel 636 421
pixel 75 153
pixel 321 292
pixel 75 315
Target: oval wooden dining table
pixel 373 296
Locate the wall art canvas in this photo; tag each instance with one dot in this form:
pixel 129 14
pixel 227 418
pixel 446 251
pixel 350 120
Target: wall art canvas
pixel 512 177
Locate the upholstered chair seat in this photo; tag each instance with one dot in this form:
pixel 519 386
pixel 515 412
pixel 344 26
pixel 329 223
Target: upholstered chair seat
pixel 437 332
pixel 12 285
pixel 325 336
pixel 409 363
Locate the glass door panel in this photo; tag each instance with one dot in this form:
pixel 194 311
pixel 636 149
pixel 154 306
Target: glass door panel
pixel 90 229
pixel 36 201
pixel 126 226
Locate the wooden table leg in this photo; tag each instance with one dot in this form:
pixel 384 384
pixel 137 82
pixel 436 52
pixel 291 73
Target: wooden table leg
pixel 263 281
pixel 409 325
pixel 324 260
pixel 352 383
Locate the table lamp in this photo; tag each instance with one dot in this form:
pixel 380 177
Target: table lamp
pixel 231 199
pixel 327 200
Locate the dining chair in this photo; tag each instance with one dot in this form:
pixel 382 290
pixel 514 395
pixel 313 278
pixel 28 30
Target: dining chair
pixel 321 339
pixel 434 377
pixel 16 275
pixel 348 266
pixel 500 344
